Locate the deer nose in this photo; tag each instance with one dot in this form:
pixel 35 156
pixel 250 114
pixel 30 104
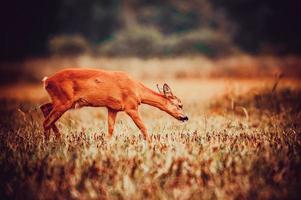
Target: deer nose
pixel 185 118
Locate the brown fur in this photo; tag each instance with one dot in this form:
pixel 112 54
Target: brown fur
pixel 72 88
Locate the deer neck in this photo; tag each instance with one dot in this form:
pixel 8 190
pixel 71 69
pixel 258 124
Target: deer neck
pixel 152 98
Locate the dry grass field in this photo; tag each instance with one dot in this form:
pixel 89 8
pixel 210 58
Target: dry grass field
pixel 243 141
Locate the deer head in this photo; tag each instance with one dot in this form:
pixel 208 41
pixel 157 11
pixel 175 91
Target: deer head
pixel 174 105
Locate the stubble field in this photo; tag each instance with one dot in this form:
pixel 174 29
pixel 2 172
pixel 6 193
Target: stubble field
pixel 242 141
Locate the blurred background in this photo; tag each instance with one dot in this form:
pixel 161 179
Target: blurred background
pixel 151 38
pixel 235 65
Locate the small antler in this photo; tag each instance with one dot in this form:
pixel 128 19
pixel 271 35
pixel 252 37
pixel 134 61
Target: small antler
pixel 160 91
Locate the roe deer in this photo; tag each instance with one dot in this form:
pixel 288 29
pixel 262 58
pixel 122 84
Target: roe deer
pixel 73 88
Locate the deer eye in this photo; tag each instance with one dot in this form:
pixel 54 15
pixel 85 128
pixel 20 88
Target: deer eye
pixel 181 106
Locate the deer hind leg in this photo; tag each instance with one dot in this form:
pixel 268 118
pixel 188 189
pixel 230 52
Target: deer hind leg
pixel 46 109
pixel 137 120
pixel 54 115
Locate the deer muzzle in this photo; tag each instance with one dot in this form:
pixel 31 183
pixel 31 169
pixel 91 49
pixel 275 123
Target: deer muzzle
pixel 183 118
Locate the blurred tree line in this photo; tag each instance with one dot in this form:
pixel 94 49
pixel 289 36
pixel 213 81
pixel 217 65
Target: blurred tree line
pixel 149 27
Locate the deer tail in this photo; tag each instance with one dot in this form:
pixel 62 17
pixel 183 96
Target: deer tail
pixel 44 81
pixel 45 78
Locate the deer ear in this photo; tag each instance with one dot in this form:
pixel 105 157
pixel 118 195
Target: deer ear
pixel 167 90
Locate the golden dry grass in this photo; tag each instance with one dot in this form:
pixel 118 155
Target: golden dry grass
pixel 240 143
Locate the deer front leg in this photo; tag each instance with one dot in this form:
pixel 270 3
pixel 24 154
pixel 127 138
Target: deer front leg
pixel 111 121
pixel 137 119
